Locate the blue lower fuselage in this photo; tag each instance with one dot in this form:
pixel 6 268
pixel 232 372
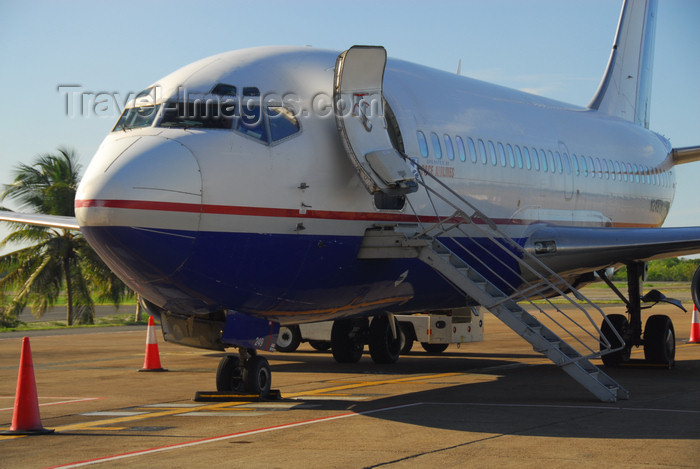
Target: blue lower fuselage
pixel 285 278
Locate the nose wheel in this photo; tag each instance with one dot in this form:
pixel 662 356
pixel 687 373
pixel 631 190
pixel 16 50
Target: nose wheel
pixel 247 373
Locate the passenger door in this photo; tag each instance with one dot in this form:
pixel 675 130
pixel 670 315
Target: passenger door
pixel 359 114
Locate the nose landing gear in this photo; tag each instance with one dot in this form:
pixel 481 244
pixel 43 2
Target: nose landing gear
pixel 246 373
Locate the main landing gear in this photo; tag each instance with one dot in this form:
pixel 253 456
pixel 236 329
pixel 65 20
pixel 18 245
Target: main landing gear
pixel 247 373
pixel 383 334
pixel 658 337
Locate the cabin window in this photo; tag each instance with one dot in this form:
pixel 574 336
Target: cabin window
pixel 630 172
pixel 448 147
pixel 511 156
pixel 460 148
pixel 422 144
pixel 591 166
pixel 543 161
pixel 535 159
pixel 584 166
pixel 552 162
pixel 482 151
pixel 437 148
pixel 519 157
pixel 560 163
pixel 492 153
pixel 472 149
pixel 618 171
pixel 501 154
pixel 567 163
pixel 606 171
pixel 528 161
pixel 574 164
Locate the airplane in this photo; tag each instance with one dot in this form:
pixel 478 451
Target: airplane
pixel 281 185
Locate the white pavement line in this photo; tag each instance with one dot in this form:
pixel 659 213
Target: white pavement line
pixel 229 437
pixel 559 406
pixel 72 400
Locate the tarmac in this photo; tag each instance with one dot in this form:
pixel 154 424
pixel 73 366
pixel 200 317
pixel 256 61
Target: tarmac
pixel 490 404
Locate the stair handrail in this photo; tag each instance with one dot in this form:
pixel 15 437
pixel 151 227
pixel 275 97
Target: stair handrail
pixel 534 266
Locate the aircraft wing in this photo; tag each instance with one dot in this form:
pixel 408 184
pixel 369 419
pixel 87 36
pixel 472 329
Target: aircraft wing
pixel 68 223
pixel 577 249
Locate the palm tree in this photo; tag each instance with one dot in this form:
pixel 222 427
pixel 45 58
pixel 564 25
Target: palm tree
pixel 58 259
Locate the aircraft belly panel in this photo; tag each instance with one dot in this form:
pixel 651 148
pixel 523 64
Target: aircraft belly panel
pixel 286 278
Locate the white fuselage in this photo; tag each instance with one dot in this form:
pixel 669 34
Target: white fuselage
pixel 223 191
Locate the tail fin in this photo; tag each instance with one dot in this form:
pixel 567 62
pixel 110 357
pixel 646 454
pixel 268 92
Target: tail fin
pixel 625 89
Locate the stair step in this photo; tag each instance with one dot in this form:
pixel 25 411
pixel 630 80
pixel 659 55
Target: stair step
pixel 542 339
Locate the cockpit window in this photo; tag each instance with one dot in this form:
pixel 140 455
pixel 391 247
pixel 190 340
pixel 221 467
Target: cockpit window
pixel 137 117
pixel 252 124
pixel 222 89
pixel 209 114
pixel 278 123
pixel 282 122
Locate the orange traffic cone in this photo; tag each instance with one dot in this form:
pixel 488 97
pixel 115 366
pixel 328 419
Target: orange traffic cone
pixel 25 418
pixel 694 328
pixel 152 360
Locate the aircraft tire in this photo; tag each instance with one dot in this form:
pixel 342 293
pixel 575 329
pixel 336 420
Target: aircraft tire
pixel 346 349
pixel 320 345
pixel 383 348
pixel 258 376
pixel 408 337
pixel 620 323
pixel 228 375
pixel 434 348
pixel 288 339
pixel 660 340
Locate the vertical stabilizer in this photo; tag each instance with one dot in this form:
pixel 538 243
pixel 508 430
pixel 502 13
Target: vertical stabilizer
pixel 625 89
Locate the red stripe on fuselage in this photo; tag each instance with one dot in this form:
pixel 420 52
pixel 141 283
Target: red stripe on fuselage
pixel 295 213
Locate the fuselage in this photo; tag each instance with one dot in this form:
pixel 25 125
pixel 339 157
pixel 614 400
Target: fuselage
pixel 260 210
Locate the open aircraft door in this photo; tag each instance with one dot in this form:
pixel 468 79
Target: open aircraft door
pixel 359 114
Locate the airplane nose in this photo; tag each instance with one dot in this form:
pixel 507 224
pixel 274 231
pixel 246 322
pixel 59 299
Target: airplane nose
pixel 139 206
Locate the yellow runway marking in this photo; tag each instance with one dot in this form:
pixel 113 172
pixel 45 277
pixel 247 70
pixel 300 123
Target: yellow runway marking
pixel 224 405
pixel 364 384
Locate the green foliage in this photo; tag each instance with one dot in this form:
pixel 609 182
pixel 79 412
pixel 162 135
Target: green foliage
pixel 57 260
pixel 672 269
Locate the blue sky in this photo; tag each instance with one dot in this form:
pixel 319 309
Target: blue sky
pixel 554 48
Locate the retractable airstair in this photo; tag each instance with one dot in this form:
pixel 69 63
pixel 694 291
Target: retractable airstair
pixel 392 241
pixel 466 248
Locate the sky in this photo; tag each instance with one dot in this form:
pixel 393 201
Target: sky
pixel 554 48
